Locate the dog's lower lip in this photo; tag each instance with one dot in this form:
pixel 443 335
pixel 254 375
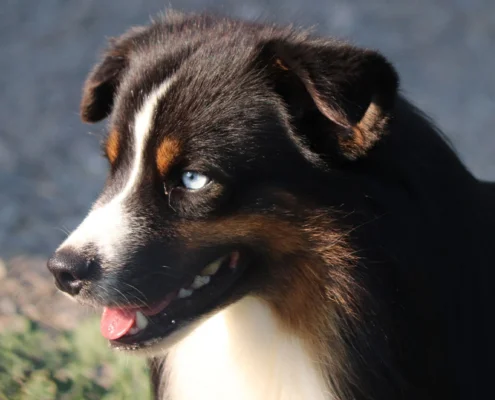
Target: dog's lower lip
pixel 160 306
pixel 183 308
pixel 117 322
pixel 157 307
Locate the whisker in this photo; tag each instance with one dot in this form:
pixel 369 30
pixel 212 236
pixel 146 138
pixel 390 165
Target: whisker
pixel 62 229
pixel 141 300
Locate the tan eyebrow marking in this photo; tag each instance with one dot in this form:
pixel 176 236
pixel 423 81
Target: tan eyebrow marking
pixel 113 145
pixel 166 153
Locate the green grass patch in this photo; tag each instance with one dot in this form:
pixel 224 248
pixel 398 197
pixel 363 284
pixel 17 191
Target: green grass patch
pixel 39 365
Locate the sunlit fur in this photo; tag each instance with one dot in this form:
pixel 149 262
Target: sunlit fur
pixel 243 352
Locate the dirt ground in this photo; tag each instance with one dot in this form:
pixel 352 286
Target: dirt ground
pixel 27 289
pixel 50 167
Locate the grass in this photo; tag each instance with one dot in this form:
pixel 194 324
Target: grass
pixel 42 365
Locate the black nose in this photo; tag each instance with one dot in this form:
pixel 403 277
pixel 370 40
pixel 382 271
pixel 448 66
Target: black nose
pixel 70 269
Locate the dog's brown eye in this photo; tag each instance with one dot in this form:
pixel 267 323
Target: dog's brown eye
pixel 193 180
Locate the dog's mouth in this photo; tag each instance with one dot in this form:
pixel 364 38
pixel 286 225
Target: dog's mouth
pixel 133 328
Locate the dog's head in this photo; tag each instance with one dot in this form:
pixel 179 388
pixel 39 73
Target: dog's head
pixel 226 140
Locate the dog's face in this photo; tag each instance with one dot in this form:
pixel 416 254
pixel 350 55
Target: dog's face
pixel 223 137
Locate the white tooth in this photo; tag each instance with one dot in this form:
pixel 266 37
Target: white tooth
pixel 134 330
pixel 141 320
pixel 212 268
pixel 200 281
pixel 183 293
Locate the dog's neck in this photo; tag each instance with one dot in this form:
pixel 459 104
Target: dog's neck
pixel 242 353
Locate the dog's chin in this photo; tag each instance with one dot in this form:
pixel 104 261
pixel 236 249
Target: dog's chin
pixel 156 328
pixel 161 345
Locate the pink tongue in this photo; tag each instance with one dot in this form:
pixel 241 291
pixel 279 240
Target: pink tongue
pixel 116 322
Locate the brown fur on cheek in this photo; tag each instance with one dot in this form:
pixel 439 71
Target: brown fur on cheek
pixel 309 286
pixel 112 146
pixel 315 295
pixel 166 154
pixel 277 235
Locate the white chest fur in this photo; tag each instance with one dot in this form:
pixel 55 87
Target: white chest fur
pixel 242 353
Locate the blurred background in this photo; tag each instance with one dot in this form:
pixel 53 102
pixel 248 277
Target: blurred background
pixel 50 164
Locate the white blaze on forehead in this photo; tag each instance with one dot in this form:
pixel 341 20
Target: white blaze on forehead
pixel 110 226
pixel 143 124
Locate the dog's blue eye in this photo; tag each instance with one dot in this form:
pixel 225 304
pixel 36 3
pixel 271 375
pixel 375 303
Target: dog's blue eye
pixel 194 180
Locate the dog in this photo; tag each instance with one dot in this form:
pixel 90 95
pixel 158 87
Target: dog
pixel 279 222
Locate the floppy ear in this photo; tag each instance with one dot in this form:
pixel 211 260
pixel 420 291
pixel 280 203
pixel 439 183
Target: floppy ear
pixel 340 97
pixel 102 82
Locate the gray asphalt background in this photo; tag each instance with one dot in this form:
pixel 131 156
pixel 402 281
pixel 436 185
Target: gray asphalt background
pixel 50 168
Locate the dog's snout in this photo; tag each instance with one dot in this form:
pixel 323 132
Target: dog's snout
pixel 70 269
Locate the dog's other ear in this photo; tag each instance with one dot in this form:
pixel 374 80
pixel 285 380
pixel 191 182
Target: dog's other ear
pixel 338 96
pixel 101 83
